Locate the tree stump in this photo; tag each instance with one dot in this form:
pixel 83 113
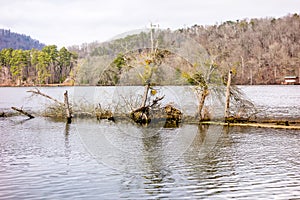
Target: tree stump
pixel 141 115
pixel 173 113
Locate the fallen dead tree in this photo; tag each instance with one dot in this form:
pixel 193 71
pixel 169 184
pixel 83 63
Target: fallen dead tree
pixel 168 114
pixel 38 92
pixel 20 110
pixel 154 111
pixel 143 113
pixel 254 124
pixel 63 105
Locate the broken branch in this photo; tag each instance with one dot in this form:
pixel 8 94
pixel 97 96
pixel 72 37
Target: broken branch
pixel 156 100
pixel 23 112
pixel 38 92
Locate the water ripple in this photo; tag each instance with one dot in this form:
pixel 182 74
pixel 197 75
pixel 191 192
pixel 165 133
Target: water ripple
pixel 45 162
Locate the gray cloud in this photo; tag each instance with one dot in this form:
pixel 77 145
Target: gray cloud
pixel 64 22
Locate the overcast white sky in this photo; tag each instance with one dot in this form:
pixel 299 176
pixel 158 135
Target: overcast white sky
pixel 70 22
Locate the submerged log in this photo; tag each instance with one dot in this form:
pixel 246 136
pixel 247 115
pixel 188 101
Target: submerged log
pixel 23 112
pixel 236 120
pixel 257 125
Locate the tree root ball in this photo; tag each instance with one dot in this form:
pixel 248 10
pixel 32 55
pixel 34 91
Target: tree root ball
pixel 173 113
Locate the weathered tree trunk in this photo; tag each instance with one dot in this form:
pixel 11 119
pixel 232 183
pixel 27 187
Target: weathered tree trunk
pixel 141 115
pixel 67 106
pixel 23 112
pixel 227 96
pixel 147 87
pixel 201 102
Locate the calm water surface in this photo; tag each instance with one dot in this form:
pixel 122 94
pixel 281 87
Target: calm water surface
pixel 46 159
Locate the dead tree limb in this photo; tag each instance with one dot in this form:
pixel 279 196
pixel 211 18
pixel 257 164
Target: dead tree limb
pixel 23 112
pixel 147 87
pixel 156 100
pixel 141 114
pixel 38 92
pixel 65 104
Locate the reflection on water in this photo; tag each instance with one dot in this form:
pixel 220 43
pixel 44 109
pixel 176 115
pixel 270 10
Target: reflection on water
pixel 47 159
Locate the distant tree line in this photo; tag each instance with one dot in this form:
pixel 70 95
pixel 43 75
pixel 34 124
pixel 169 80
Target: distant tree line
pixel 258 51
pixel 13 40
pixel 45 66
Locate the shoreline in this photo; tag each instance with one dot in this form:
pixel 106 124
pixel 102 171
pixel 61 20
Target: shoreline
pixel 86 85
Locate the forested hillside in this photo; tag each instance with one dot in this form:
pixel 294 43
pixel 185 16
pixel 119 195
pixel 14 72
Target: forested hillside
pixel 33 67
pixel 258 51
pixel 12 40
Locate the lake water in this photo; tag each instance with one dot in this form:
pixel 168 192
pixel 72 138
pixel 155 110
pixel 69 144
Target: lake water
pixel 89 159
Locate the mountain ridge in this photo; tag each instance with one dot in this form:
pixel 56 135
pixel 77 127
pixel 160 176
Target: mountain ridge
pixel 9 39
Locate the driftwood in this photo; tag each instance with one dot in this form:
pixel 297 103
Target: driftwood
pixel 23 112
